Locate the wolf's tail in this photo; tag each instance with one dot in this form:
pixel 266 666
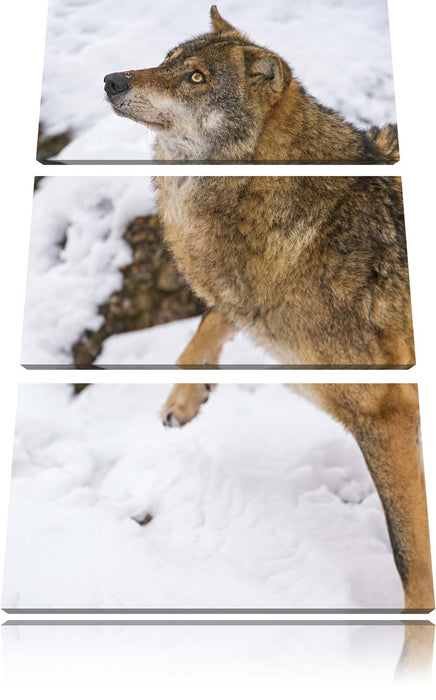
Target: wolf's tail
pixel 386 140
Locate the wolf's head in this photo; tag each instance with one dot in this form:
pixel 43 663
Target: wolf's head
pixel 209 98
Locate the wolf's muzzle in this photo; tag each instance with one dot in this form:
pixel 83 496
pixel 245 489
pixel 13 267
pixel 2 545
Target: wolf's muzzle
pixel 115 84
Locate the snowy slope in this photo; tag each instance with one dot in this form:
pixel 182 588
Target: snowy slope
pixel 261 502
pixel 76 252
pixel 339 49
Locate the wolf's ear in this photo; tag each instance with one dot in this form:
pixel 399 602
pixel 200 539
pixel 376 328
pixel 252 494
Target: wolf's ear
pixel 266 70
pixel 218 23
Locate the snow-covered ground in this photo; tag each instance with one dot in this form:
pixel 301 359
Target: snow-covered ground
pixel 339 49
pixel 261 502
pixel 153 656
pixel 162 344
pixel 76 252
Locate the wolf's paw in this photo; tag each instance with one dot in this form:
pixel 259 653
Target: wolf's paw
pixel 184 403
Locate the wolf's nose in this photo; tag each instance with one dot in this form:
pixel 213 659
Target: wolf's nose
pixel 114 83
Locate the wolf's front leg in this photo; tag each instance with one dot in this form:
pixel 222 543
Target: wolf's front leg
pixel 205 348
pixel 183 403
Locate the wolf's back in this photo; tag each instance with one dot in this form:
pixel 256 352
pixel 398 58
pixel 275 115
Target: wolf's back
pixel 386 140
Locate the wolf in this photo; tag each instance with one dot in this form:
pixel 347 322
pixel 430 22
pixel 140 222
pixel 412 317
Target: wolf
pixel 221 98
pixel 314 269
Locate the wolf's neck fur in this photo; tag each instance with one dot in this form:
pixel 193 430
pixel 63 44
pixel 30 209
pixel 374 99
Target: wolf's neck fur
pixel 196 148
pixel 297 129
pixel 300 130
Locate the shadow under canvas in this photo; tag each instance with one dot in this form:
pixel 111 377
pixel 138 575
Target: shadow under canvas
pixel 369 651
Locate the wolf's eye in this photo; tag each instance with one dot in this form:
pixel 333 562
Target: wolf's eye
pixel 196 77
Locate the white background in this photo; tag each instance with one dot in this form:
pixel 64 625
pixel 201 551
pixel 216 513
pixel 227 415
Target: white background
pixel 22 47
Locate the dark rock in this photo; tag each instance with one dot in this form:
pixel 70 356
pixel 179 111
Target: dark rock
pixel 49 146
pixel 152 292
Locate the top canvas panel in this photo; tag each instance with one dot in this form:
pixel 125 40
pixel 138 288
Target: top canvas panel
pixel 315 86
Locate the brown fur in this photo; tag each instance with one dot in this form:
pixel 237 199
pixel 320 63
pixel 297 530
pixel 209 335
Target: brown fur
pixel 384 419
pixel 315 270
pixel 248 107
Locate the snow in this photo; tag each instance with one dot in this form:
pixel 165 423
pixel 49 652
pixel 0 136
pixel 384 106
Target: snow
pixel 261 502
pixel 76 252
pixel 339 49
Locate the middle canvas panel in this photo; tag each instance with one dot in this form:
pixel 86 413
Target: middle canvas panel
pixel 301 272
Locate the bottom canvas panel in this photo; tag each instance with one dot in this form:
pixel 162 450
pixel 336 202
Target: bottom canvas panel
pixel 262 501
pixel 154 653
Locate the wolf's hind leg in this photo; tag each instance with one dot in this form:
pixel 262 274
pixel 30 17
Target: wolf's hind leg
pixel 392 450
pixel 185 400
